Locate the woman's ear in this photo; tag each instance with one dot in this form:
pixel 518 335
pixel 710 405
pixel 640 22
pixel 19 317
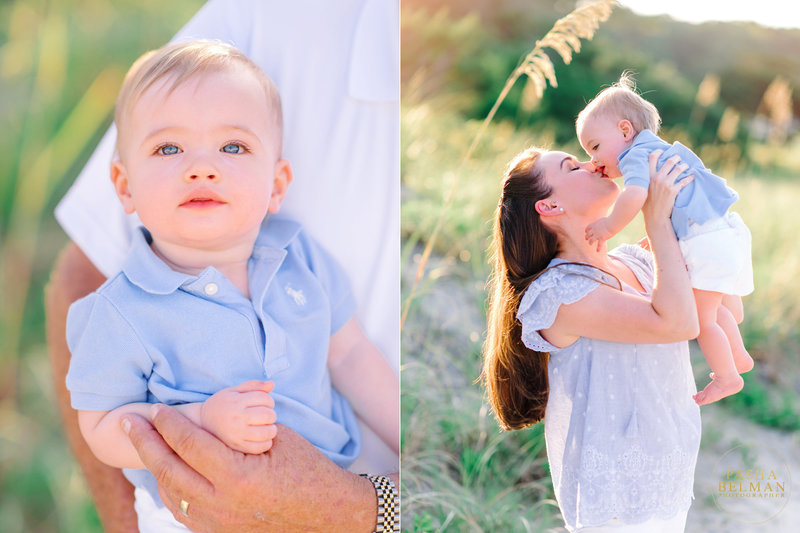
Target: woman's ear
pixel 119 177
pixel 548 208
pixel 626 128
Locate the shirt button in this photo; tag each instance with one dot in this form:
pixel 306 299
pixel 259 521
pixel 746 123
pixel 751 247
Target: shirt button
pixel 211 289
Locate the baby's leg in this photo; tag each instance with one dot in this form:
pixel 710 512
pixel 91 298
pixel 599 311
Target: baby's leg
pixel 716 349
pixel 730 314
pixel 734 305
pixel 728 319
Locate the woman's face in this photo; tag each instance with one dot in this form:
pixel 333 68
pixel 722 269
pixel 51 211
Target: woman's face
pixel 577 187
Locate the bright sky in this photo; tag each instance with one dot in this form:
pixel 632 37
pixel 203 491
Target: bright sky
pixel 775 13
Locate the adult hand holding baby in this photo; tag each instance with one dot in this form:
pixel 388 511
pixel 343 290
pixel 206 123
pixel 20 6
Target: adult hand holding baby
pixel 663 188
pixel 293 487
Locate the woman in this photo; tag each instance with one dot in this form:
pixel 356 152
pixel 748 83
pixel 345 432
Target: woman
pixel 594 342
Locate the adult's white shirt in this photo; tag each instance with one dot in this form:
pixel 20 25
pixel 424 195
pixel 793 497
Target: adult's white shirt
pixel 337 67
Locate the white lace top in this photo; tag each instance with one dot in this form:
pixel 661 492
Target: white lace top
pixel 621 428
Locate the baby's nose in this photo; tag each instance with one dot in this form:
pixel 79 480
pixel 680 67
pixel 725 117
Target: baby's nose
pixel 195 177
pixel 202 167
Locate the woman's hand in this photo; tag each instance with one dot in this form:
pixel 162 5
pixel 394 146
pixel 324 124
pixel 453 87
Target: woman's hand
pixel 663 188
pixel 292 487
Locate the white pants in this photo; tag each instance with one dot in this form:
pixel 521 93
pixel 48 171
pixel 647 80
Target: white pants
pixel 718 255
pixel 152 518
pixel 676 524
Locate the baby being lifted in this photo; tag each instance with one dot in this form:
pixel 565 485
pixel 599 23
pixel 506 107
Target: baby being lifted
pixel 618 129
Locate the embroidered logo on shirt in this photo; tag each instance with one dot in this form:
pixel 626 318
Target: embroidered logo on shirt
pixel 297 295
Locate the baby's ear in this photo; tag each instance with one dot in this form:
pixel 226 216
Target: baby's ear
pixel 119 177
pixel 283 177
pixel 626 128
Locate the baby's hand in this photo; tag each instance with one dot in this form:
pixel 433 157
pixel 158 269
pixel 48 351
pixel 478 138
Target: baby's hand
pixel 598 231
pixel 242 416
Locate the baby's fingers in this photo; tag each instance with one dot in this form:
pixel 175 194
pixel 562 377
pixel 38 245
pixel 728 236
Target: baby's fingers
pixel 254 448
pixel 257 399
pixel 257 434
pixel 255 385
pixel 258 416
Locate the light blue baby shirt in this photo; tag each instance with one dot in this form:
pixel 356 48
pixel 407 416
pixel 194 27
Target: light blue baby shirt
pixel 705 198
pixel 150 334
pixel 621 427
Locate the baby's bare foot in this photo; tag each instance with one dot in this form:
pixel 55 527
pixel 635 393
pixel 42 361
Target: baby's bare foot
pixel 718 389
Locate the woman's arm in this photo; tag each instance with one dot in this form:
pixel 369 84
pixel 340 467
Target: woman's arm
pixel 670 315
pixel 360 372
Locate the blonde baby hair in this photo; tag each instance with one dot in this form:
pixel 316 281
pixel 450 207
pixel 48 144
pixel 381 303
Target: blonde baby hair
pixel 621 101
pixel 183 61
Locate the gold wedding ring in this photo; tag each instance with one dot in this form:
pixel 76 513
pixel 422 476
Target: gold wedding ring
pixel 184 507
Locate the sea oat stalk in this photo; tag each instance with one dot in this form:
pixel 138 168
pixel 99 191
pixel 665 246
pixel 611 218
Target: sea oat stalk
pixel 565 38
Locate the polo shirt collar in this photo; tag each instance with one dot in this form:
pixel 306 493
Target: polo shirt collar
pixel 277 233
pixel 148 272
pixel 643 137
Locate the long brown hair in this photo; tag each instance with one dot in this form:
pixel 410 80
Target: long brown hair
pixel 515 376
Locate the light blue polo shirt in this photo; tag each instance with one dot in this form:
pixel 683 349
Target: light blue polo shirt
pixel 705 198
pixel 150 334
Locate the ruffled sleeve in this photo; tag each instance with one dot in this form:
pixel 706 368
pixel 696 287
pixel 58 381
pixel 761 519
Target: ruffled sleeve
pixel 561 284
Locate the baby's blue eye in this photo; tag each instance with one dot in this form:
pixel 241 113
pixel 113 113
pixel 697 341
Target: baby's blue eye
pixel 168 149
pixel 233 148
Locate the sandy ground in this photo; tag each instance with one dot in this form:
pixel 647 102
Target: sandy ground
pixel 722 431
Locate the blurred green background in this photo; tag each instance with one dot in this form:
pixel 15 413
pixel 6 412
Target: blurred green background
pixel 728 90
pixel 61 64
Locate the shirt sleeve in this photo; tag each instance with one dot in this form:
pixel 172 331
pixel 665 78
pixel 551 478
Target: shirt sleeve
pixel 109 366
pixel 635 168
pixel 562 284
pixel 333 279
